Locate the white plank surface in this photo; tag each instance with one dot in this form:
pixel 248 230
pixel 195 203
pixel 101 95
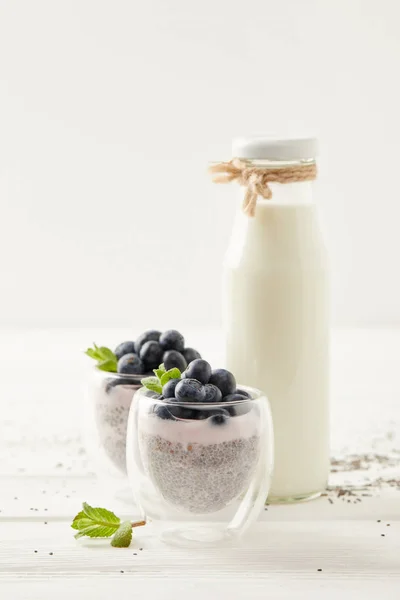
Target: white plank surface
pixel 45 475
pixel 278 559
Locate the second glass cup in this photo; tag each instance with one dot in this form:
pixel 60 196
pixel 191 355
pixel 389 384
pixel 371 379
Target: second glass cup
pixel 200 472
pixel 108 400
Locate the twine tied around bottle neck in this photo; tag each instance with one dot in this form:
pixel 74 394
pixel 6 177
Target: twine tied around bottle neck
pixel 256 180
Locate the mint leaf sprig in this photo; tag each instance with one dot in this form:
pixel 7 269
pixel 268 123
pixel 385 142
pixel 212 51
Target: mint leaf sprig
pixel 155 384
pixel 102 523
pixel 106 359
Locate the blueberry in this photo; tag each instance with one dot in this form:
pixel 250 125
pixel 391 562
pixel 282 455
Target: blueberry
pixel 235 397
pixel 163 412
pixel 151 354
pixel 213 394
pixel 243 393
pixel 219 418
pixel 124 348
pixel 173 358
pixel 190 390
pixel 152 335
pixel 199 414
pixel 224 380
pixel 190 354
pixel 180 412
pixel 172 340
pixel 237 409
pixel 198 369
pixel 169 388
pixel 130 364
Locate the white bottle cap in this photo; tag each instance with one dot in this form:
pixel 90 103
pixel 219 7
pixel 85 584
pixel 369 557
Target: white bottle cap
pixel 274 149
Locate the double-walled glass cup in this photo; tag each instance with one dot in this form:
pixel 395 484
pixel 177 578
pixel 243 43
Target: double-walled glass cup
pixel 108 400
pixel 200 472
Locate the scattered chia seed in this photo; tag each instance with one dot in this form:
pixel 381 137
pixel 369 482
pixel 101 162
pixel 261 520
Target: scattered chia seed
pixel 51 554
pixel 35 551
pixel 122 571
pixel 319 570
pixel 382 535
pixel 45 522
pixel 387 524
pixel 378 521
pixel 372 485
pixel 362 462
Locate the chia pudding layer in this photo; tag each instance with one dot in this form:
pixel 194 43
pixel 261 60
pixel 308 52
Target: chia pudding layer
pixel 197 466
pixel 111 411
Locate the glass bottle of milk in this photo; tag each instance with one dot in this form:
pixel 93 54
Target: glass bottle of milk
pixel 276 316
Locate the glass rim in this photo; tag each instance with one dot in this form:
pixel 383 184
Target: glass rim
pixel 257 395
pixel 122 375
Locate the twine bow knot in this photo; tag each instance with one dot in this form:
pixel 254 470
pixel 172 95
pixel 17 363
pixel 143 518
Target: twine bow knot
pixel 256 180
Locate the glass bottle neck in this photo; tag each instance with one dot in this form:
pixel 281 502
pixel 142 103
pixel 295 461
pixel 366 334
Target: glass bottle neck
pixel 298 192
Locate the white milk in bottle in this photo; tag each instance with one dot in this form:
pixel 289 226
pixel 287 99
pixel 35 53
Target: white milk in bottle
pixel 276 310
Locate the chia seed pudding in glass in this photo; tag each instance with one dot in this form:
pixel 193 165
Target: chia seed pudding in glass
pixel 200 470
pixel 113 383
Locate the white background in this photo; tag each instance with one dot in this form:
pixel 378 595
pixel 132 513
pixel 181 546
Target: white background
pixel 110 112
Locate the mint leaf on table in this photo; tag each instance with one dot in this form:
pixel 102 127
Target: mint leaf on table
pixel 101 523
pixel 106 359
pixel 123 536
pixel 81 521
pixel 100 515
pixel 95 522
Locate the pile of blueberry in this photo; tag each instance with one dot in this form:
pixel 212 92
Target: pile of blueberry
pixel 151 349
pixel 199 384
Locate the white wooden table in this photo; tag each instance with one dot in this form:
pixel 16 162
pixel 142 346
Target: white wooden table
pixel 347 546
